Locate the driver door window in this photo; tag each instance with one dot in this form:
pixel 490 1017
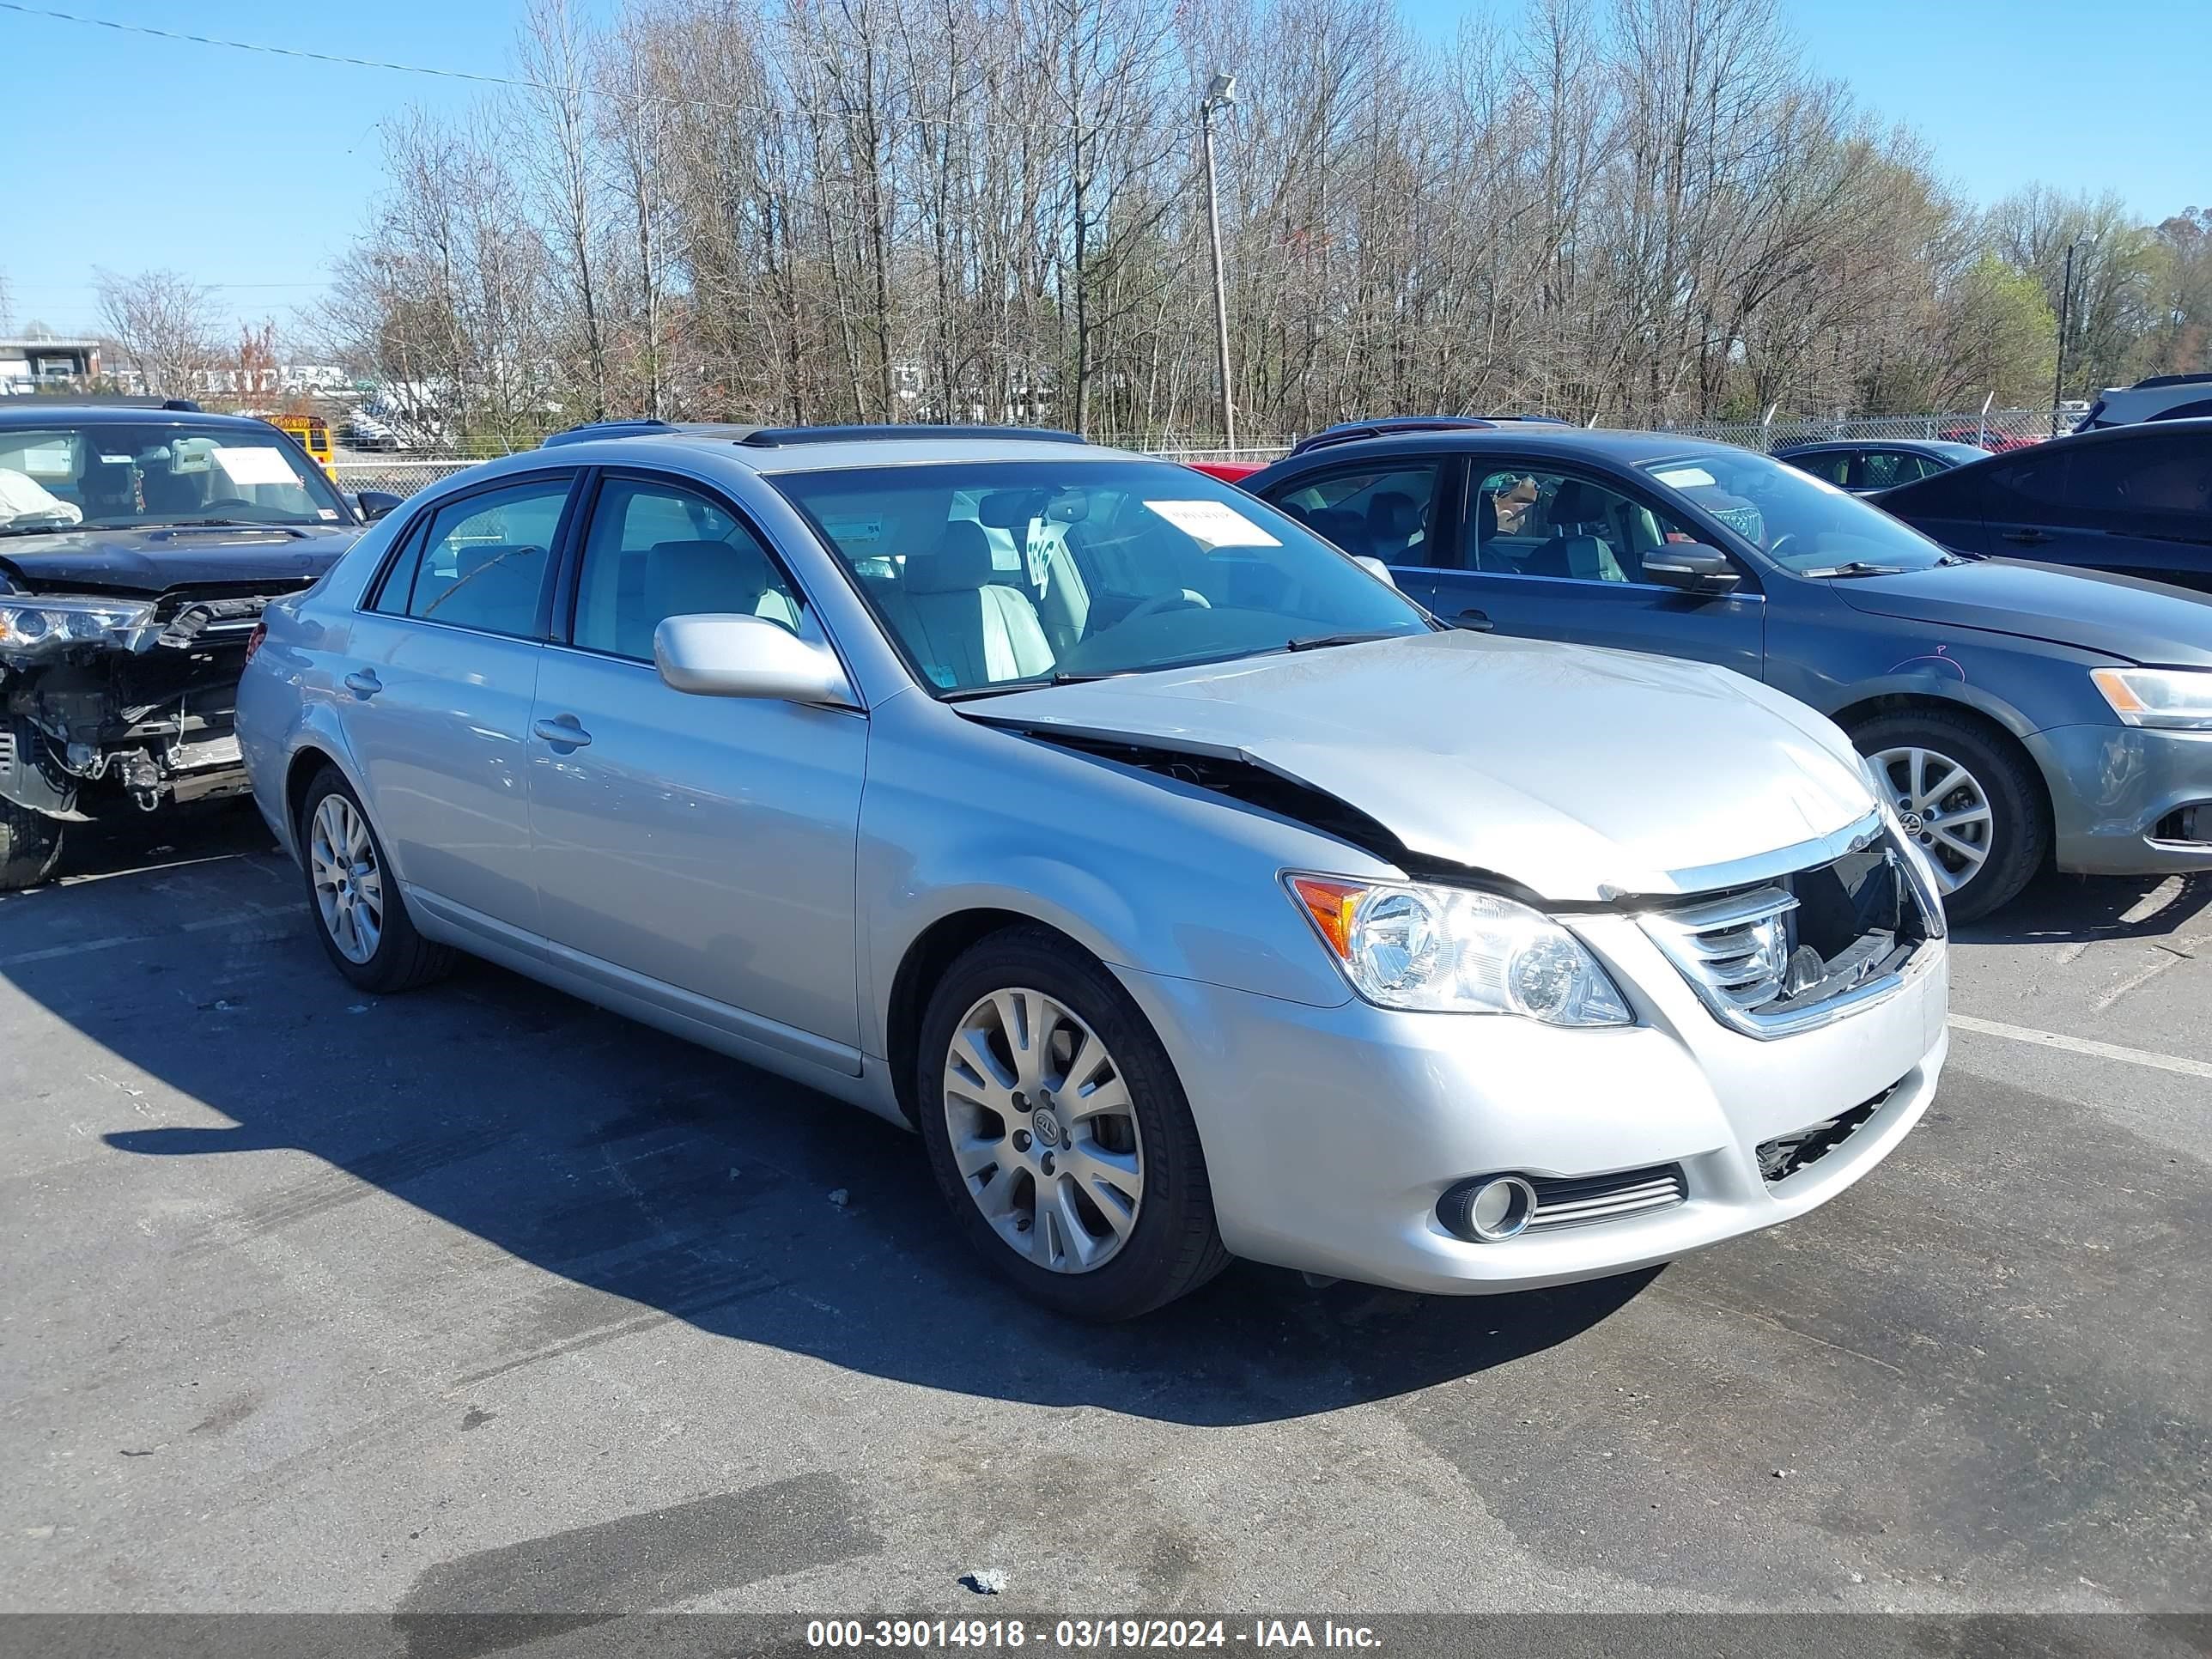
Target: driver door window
pixel 657 550
pixel 1529 522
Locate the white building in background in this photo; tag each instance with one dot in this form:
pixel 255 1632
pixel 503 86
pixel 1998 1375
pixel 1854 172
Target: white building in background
pixel 35 361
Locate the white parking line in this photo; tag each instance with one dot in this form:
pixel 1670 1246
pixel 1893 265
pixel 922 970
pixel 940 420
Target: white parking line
pixel 2074 1045
pixel 235 918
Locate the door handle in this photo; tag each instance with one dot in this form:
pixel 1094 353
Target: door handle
pixel 363 683
pixel 562 734
pixel 2026 538
pixel 1476 621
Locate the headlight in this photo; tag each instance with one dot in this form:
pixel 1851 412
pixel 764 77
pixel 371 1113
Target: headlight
pixel 30 625
pixel 1452 950
pixel 2178 699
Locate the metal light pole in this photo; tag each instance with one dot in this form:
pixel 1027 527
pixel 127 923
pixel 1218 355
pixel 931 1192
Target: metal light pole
pixel 1220 94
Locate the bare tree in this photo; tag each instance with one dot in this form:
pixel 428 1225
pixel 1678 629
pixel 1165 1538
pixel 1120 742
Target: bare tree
pixel 163 325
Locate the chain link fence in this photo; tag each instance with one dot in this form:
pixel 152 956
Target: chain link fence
pixel 399 478
pixel 1999 429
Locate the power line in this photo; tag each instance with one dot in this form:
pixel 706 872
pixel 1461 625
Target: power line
pixel 764 111
pixel 278 51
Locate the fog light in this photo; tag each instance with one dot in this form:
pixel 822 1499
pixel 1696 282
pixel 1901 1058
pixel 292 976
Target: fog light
pixel 1488 1208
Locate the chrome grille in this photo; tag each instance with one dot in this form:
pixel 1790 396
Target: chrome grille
pixel 1575 1201
pixel 1804 948
pixel 1736 948
pixel 7 750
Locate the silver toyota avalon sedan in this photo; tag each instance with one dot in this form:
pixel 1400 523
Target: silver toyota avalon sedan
pixel 1191 891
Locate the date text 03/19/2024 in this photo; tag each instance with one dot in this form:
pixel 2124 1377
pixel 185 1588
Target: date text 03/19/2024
pixel 1089 1635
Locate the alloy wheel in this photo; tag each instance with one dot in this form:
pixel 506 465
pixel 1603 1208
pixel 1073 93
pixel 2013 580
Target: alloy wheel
pixel 1043 1131
pixel 1943 807
pixel 349 884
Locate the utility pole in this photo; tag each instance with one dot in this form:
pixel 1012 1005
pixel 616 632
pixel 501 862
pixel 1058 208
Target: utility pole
pixel 1220 94
pixel 2065 310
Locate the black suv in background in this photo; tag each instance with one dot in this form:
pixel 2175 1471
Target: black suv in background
pixel 137 547
pixel 2135 500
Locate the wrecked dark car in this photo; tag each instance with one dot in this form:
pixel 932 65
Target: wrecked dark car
pixel 137 548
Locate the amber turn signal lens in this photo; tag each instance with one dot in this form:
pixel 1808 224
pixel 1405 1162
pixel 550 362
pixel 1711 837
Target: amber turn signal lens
pixel 1331 905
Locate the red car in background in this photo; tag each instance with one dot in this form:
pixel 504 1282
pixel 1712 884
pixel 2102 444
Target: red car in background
pixel 1227 471
pixel 1995 442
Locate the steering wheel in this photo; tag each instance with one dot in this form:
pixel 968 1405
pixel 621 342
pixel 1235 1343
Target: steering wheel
pixel 1774 548
pixel 1180 600
pixel 228 501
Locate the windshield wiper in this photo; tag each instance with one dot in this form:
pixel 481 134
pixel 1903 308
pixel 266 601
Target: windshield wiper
pixel 1062 678
pixel 1854 567
pixel 37 529
pixel 1319 642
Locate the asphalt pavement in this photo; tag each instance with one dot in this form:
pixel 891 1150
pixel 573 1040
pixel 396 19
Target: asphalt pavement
pixel 480 1299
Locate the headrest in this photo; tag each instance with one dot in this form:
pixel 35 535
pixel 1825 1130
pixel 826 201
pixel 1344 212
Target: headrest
pixel 693 578
pixel 960 563
pixel 1576 502
pixel 1393 515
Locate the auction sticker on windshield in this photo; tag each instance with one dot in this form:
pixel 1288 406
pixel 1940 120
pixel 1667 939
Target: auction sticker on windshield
pixel 1216 524
pixel 253 465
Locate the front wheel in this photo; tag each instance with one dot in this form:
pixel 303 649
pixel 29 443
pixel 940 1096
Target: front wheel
pixel 1968 802
pixel 30 847
pixel 1059 1132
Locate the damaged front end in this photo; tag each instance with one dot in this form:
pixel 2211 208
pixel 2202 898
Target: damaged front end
pixel 113 701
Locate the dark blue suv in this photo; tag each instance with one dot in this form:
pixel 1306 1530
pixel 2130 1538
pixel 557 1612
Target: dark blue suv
pixel 2020 715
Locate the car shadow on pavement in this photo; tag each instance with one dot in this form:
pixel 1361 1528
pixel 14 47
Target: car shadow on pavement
pixel 644 1176
pixel 2088 909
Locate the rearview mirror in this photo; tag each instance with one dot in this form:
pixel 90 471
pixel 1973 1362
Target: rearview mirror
pixel 738 656
pixel 376 503
pixel 1691 568
pixel 1375 568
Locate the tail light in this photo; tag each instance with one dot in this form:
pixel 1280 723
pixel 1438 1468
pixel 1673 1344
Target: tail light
pixel 253 640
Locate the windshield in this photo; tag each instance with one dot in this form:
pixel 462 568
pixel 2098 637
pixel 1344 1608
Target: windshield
pixel 1804 524
pixel 996 573
pixel 108 475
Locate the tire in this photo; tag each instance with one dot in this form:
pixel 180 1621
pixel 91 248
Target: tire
pixel 2018 821
pixel 1167 1245
pixel 397 959
pixel 30 847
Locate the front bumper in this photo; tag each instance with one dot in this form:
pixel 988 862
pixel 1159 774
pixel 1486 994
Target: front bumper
pixel 2110 788
pixel 1331 1132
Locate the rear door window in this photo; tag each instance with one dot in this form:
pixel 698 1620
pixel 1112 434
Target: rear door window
pixel 484 560
pixel 1387 514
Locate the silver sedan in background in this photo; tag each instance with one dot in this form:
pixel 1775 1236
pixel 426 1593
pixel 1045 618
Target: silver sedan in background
pixel 1190 891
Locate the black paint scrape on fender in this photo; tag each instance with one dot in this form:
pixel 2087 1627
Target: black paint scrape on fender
pixel 1250 782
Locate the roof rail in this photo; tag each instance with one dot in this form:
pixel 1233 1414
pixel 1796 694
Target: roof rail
pixel 1345 432
pixel 109 400
pixel 779 437
pixel 645 425
pixel 2172 379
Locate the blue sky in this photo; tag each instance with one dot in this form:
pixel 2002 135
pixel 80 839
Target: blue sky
pixel 248 172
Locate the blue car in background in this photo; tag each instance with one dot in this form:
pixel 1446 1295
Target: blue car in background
pixel 1863 465
pixel 2020 715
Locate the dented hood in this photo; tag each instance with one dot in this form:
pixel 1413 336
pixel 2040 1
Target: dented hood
pixel 1582 774
pixel 154 558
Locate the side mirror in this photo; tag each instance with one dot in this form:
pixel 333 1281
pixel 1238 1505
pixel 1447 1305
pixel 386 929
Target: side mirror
pixel 1691 568
pixel 1375 568
pixel 737 656
pixel 376 503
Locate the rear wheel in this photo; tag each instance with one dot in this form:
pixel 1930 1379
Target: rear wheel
pixel 30 847
pixel 361 915
pixel 1965 799
pixel 1059 1132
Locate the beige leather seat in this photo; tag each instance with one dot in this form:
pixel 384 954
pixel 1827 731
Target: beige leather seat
pixel 705 578
pixel 964 624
